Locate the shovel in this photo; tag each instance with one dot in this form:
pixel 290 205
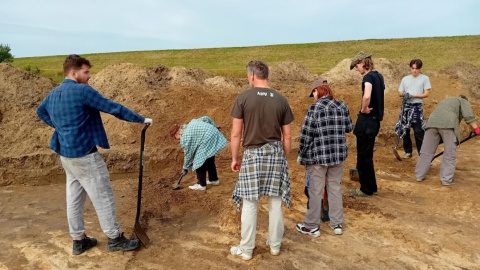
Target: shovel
pixel 472 134
pixel 138 230
pixel 395 152
pixel 354 176
pixel 177 185
pixel 324 214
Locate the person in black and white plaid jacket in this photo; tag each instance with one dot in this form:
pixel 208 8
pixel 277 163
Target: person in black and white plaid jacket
pixel 323 150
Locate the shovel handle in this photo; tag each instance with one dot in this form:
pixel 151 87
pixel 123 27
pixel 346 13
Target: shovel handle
pixel 472 134
pixel 140 174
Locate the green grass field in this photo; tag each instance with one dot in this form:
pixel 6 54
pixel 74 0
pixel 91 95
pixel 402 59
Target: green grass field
pixel 436 53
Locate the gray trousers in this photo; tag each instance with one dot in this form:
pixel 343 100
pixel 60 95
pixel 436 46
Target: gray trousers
pixel 88 175
pixel 316 175
pixel 429 147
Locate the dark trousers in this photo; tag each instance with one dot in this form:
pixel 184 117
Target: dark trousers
pixel 418 133
pixel 366 171
pixel 366 129
pixel 208 166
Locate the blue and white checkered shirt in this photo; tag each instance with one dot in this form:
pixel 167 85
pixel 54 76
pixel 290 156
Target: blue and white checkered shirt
pixel 73 110
pixel 200 140
pixel 322 139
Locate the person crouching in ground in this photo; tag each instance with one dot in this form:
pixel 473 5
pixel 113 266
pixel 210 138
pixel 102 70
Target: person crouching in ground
pixel 200 140
pixel 73 110
pixel 323 150
pixel 443 125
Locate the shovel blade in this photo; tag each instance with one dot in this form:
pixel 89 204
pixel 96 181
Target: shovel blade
pixel 395 152
pixel 177 184
pixel 141 234
pixel 354 175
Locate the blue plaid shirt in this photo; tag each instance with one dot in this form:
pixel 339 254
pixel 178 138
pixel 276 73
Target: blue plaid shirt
pixel 73 110
pixel 322 139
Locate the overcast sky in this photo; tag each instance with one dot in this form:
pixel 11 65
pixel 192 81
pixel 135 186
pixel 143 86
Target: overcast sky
pixel 61 27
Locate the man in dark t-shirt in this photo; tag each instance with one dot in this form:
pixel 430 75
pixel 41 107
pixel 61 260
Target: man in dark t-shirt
pixel 264 116
pixel 368 122
pixel 264 111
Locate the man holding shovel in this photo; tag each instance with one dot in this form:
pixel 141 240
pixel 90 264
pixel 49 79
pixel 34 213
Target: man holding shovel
pixel 73 110
pixel 413 89
pixel 443 125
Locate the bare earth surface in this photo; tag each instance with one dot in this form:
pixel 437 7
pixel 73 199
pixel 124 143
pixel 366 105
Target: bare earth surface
pixel 408 225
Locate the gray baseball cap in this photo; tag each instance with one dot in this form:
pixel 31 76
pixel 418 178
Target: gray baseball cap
pixel 316 84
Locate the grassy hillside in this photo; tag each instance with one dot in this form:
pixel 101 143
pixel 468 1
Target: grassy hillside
pixel 436 52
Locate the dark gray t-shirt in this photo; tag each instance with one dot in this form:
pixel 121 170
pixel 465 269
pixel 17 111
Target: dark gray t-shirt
pixel 264 111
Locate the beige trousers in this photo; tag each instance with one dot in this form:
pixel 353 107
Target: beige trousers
pixel 249 224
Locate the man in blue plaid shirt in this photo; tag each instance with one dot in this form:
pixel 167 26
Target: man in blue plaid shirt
pixel 73 110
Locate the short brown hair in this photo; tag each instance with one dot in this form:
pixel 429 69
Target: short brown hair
pixel 74 61
pixel 367 63
pixel 416 62
pixel 258 68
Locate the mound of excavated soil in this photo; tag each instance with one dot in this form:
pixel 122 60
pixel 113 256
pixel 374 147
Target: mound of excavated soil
pixel 21 92
pixel 290 71
pixel 392 73
pixel 22 134
pixel 171 95
pixel 467 74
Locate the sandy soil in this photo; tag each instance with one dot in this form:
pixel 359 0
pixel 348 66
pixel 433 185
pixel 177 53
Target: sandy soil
pixel 408 225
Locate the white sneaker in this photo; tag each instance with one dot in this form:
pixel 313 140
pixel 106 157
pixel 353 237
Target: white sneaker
pixel 197 187
pixel 213 183
pixel 337 229
pixel 237 251
pixel 448 183
pixel 313 232
pixel 274 252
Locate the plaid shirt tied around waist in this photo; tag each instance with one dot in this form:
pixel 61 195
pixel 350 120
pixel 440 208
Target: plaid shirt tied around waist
pixel 264 172
pixel 412 114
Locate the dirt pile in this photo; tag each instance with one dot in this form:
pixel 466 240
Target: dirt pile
pixel 169 95
pixel 21 93
pixel 21 132
pixel 467 74
pixel 290 71
pixel 392 73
